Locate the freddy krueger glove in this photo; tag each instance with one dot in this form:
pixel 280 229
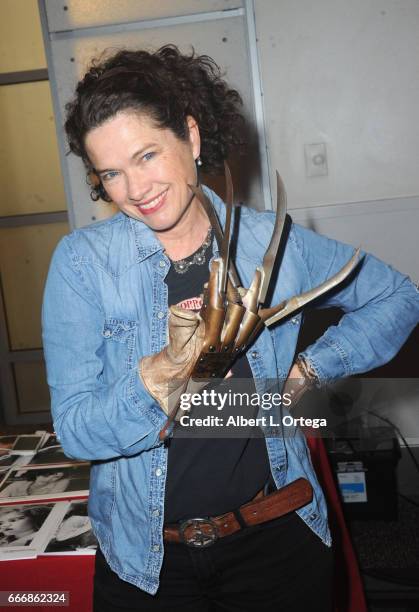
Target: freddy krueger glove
pixel 166 374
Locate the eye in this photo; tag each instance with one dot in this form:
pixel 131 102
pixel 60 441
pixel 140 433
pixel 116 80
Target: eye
pixel 148 156
pixel 109 175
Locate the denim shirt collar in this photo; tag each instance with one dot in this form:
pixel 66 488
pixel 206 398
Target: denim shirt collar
pixel 146 243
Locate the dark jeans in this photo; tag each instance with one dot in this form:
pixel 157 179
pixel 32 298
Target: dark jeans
pixel 280 566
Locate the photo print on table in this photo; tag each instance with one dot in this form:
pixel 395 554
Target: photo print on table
pixel 37 483
pixel 51 453
pixel 74 535
pixel 25 529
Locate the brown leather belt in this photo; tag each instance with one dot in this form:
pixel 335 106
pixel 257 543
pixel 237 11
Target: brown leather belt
pixel 202 532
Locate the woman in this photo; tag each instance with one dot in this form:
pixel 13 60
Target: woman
pixel 144 123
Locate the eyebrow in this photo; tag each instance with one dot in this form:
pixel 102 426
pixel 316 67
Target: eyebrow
pixel 133 157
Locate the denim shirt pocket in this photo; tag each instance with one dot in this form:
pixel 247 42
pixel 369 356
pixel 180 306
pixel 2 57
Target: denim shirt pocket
pixel 119 342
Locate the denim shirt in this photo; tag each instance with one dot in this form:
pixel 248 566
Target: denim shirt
pixel 105 307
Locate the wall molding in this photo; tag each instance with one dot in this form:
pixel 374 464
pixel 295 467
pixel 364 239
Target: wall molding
pixel 350 209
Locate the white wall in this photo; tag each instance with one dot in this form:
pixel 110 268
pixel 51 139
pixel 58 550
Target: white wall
pixel 345 73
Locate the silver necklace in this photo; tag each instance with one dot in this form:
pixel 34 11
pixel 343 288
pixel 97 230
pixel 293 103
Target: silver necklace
pixel 198 258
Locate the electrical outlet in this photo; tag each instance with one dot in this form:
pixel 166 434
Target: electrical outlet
pixel 316 159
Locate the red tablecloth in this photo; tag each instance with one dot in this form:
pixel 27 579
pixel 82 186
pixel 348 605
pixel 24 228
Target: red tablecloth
pixel 75 573
pixel 55 573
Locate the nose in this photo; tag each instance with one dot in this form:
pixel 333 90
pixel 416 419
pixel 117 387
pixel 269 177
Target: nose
pixel 138 185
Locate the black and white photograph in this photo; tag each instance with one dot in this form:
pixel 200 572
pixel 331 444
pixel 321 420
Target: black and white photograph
pixel 25 529
pixel 50 453
pixel 28 444
pixel 74 535
pixel 7 442
pixel 8 461
pixel 45 483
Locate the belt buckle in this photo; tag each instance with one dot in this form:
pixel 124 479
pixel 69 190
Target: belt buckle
pixel 193 534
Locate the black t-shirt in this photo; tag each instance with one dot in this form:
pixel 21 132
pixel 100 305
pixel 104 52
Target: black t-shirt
pixel 210 476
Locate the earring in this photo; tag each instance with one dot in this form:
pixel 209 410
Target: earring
pixel 198 161
pixel 94 195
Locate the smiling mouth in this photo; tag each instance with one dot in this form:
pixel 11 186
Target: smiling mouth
pixel 152 204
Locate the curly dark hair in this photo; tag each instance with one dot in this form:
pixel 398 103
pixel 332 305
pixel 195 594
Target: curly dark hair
pixel 166 85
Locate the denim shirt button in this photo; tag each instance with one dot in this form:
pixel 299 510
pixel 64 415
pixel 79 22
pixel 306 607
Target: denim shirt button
pixel 313 516
pixel 279 468
pixel 160 314
pixel 107 333
pixel 156 548
pixel 159 472
pixel 156 512
pixel 254 354
pixel 295 321
pixel 162 263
